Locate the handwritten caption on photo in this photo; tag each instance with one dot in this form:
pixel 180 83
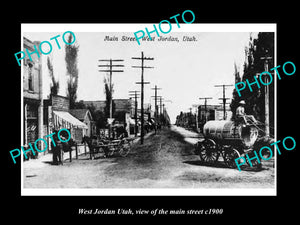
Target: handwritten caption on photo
pixel 164 31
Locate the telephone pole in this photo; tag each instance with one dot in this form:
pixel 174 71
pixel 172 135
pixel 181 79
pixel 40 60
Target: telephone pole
pixel 165 115
pixel 142 58
pixel 156 111
pixel 135 111
pixel 266 87
pixel 205 106
pixel 224 99
pixel 160 105
pixel 155 105
pixel 110 70
pixel 196 113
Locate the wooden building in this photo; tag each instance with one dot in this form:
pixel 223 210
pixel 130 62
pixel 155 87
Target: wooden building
pixel 58 115
pixel 85 116
pixel 32 95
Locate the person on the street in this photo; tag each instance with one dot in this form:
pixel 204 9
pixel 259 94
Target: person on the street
pixel 240 111
pixel 122 132
pixel 241 116
pixel 56 151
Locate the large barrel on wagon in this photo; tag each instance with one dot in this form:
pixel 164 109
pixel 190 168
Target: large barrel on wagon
pixel 228 132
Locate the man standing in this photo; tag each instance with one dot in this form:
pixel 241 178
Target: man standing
pixel 57 150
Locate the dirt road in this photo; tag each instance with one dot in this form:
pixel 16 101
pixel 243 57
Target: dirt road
pixel 166 160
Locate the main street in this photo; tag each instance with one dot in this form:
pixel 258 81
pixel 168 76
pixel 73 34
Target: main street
pixel 165 160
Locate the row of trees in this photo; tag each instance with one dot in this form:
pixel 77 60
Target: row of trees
pixel 259 47
pixel 72 72
pixel 71 59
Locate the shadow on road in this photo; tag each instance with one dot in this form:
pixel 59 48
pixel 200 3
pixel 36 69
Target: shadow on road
pixel 201 163
pixel 220 164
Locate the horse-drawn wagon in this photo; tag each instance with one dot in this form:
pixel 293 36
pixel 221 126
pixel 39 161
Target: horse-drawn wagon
pixel 229 139
pixel 109 147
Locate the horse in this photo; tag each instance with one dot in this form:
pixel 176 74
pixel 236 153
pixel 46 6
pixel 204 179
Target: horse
pixel 89 142
pixel 92 144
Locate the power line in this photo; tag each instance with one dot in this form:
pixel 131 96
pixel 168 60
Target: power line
pixel 205 106
pixel 224 99
pixel 142 58
pixel 110 70
pixel 155 103
pixel 135 111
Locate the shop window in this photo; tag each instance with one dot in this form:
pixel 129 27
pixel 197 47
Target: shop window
pixel 30 77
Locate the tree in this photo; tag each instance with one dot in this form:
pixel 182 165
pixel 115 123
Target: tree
pixel 260 47
pixel 54 87
pixel 235 97
pixel 72 70
pixel 79 105
pixel 98 117
pixel 108 96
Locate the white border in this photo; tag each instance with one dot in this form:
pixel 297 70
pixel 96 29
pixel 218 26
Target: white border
pixel 82 27
pixel 149 192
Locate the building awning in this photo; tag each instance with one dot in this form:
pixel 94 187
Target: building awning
pixel 66 120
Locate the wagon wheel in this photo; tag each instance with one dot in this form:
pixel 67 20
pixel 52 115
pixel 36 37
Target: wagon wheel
pixel 104 148
pixel 125 146
pixel 107 152
pixel 209 152
pixel 110 150
pixel 229 157
pixel 199 146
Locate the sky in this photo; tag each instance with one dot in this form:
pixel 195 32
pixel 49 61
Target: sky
pixel 184 70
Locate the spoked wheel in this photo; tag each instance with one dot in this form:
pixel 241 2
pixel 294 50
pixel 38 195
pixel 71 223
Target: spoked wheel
pixel 111 151
pixel 229 157
pixel 199 146
pixel 125 146
pixel 209 152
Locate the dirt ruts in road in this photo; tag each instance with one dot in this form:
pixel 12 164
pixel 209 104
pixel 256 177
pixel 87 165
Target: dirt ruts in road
pixel 157 158
pixel 165 160
pixel 168 160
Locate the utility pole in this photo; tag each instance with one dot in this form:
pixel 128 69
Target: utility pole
pixel 155 103
pixel 224 99
pixel 190 118
pixel 160 105
pixel 156 111
pixel 196 113
pixel 142 58
pixel 205 106
pixel 110 70
pixel 266 87
pixel 165 114
pixel 135 112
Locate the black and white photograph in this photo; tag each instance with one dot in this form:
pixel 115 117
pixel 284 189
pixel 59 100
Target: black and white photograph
pixel 146 112
pixel 105 115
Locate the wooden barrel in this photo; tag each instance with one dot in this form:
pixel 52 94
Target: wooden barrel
pixel 228 131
